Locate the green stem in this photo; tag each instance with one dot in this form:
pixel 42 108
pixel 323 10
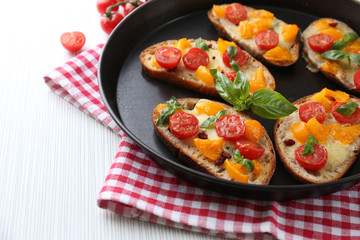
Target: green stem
pixel 109 13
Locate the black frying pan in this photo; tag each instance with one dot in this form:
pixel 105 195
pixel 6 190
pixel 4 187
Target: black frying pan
pixel 129 95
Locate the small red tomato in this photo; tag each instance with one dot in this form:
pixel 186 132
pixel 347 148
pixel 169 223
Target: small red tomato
pixel 240 58
pixel 102 5
pixel 341 118
pixel 249 149
pixel 108 24
pixel 73 41
pixel 357 79
pixel 236 13
pixel 312 110
pixel 230 127
pixel 320 42
pixel 267 39
pixel 183 125
pixel 168 57
pixel 195 58
pixel 314 161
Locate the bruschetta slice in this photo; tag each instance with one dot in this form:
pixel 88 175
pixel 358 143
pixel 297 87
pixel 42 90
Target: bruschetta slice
pixel 321 140
pixel 333 48
pixel 213 138
pixel 187 62
pixel 258 32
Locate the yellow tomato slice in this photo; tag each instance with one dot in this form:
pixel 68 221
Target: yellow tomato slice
pixel 245 29
pixel 211 149
pixel 300 132
pixel 208 107
pixel 257 81
pixel 219 11
pixel 253 130
pixel 182 44
pixel 204 75
pixel 319 131
pixel 235 173
pixel 335 33
pixel 289 32
pixel 222 45
pixel 278 54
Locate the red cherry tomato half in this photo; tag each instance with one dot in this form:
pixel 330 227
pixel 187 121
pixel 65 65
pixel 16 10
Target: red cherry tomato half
pixel 240 58
pixel 236 13
pixel 108 25
pixel 267 39
pixel 183 125
pixel 314 161
pixel 168 57
pixel 73 41
pixel 249 149
pixel 102 5
pixel 231 75
pixel 341 118
pixel 195 58
pixel 312 110
pixel 320 42
pixel 357 79
pixel 230 127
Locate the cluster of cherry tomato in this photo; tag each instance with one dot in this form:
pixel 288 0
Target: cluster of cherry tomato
pixel 317 159
pixel 169 58
pixel 265 39
pixel 112 13
pixel 229 127
pixel 323 42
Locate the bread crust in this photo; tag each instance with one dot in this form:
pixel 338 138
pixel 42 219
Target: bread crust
pixel 344 79
pixel 283 125
pixel 194 159
pixel 255 52
pixel 186 79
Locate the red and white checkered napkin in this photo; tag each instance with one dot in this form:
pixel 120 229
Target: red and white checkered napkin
pixel 136 187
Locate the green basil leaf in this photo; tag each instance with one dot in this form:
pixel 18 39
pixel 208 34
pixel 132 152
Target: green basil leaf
pixel 244 104
pixel 208 122
pixel 349 37
pixel 173 103
pixel 248 164
pixel 212 119
pixel 348 108
pixel 165 115
pixel 309 145
pixel 232 51
pixel 202 45
pixel 339 45
pixel 355 58
pixel 241 85
pixel 270 104
pixel 224 87
pixel 334 55
pixel 234 66
pixel 232 92
pixel 172 106
pixel 221 113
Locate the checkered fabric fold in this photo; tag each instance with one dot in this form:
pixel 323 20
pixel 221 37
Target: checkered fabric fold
pixel 136 187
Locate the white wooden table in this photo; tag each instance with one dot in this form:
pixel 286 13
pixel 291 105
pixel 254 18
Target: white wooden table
pixel 54 158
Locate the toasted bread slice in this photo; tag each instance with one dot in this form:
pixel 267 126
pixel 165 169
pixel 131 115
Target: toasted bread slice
pixel 185 150
pixel 339 71
pixel 246 40
pixel 340 155
pixel 182 77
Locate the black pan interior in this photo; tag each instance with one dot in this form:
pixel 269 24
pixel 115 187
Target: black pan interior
pixel 130 95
